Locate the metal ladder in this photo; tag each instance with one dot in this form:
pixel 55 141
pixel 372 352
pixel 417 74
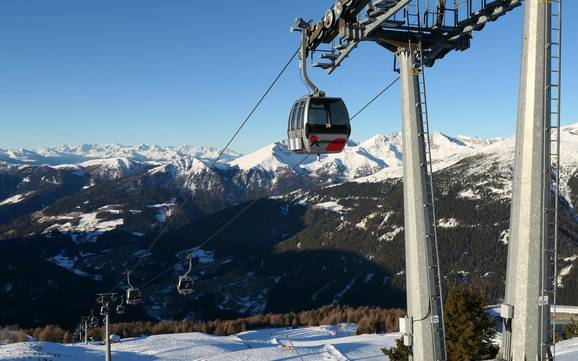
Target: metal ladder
pixel 553 52
pixel 436 298
pixel 436 301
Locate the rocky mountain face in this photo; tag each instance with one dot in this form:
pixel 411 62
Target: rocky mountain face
pixel 319 232
pixel 131 180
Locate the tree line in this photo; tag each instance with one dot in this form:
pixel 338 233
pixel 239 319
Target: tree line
pixel 368 319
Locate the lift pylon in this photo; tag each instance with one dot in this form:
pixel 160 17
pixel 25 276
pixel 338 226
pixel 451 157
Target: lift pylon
pixel 532 249
pixel 424 331
pixel 440 27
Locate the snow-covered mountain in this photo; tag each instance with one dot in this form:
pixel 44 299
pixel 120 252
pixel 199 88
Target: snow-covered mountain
pixel 152 154
pixel 358 160
pixel 96 217
pixel 270 170
pixel 166 173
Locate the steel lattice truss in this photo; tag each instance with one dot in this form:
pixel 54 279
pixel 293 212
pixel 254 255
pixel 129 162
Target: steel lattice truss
pixel 441 27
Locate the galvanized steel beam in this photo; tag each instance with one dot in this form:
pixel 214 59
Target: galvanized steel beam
pixel 524 324
pixel 423 316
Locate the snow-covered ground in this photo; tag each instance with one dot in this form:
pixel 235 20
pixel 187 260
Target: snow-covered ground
pixel 328 343
pixel 325 343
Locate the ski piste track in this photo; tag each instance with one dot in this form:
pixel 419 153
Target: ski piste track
pixel 325 343
pixel 329 343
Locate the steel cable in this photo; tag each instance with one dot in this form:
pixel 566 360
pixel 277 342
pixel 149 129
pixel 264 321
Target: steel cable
pixel 212 164
pixel 250 204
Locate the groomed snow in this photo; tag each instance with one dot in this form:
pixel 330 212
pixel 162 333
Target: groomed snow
pixel 324 343
pixel 329 343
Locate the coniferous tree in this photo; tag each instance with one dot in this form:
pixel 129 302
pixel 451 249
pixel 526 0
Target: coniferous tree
pixel 397 353
pixel 570 330
pixel 469 330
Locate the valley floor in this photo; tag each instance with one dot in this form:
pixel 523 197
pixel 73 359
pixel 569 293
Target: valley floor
pixel 326 343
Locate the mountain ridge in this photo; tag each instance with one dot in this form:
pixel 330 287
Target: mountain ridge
pixel 330 231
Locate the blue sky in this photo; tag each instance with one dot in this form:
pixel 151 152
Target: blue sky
pixel 188 72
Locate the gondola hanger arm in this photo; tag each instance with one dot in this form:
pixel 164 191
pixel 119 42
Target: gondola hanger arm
pixel 304 27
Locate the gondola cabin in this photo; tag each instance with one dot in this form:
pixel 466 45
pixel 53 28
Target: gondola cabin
pixel 133 296
pixel 318 125
pixel 120 309
pixel 185 285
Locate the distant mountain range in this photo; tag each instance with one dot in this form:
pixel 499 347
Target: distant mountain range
pixel 96 176
pixel 72 218
pixel 66 154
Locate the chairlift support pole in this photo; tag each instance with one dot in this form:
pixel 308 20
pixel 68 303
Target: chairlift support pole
pixel 107 335
pixel 107 299
pixel 86 331
pixel 531 272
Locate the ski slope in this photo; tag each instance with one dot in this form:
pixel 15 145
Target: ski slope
pixel 327 343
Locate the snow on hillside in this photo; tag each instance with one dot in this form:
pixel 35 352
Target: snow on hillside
pixel 269 168
pixel 143 152
pixel 15 199
pixel 108 162
pixel 447 151
pixel 154 154
pixel 329 343
pixel 378 157
pixel 379 153
pixel 268 158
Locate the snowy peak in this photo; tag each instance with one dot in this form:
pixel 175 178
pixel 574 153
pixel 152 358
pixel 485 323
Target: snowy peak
pixel 193 172
pixel 476 141
pixel 380 140
pixel 19 156
pixel 113 168
pixel 115 163
pixel 190 166
pixel 268 158
pixel 153 154
pixel 376 154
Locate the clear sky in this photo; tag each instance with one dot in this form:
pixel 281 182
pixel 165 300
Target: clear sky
pixel 188 71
